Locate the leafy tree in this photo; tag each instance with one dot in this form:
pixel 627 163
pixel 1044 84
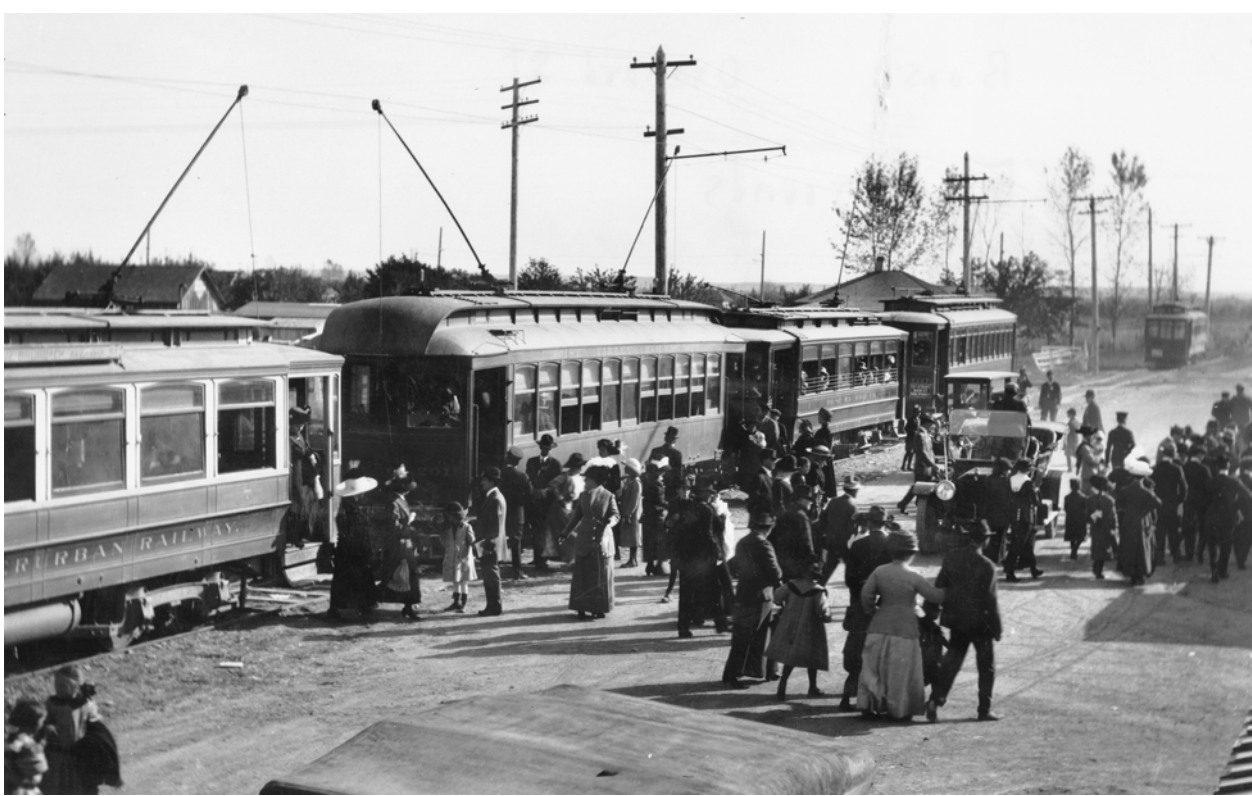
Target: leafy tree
pixel 597 280
pixel 689 287
pixel 539 274
pixel 1129 180
pixel 890 217
pixel 397 276
pixel 352 288
pixel 790 298
pixel 1026 286
pixel 1066 183
pixel 332 272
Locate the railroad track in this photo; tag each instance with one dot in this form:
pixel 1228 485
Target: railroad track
pixel 261 601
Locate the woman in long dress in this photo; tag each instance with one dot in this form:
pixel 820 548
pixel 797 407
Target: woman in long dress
pixel 562 491
pixel 800 638
pixel 352 585
pixel 891 682
pixel 1090 457
pixel 590 529
pixel 403 583
pixel 630 503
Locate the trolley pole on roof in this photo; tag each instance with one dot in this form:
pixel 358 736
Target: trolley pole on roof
pixel 659 65
pixel 516 124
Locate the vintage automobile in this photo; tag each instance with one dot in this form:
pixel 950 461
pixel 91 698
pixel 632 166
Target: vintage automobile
pixel 973 434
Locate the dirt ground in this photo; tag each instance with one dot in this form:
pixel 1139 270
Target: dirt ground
pixel 1104 688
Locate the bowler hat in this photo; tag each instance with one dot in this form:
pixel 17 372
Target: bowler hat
pixel 975 530
pixel 1087 431
pixel 787 464
pixel 491 473
pixel 546 441
pixel 876 514
pixel 671 432
pixel 761 519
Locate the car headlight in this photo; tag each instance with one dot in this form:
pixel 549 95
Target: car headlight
pixel 946 490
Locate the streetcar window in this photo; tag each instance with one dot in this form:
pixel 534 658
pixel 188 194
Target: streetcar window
pixel 19 448
pixel 665 389
pixel 630 390
pixel 546 415
pixel 88 441
pixel 569 397
pixel 847 376
pixel 961 350
pixel 611 378
pixel 923 349
pixel 826 374
pixel 876 361
pixel 682 385
pixel 810 370
pixel 697 385
pixel 245 426
pixel 171 424
pixel 713 385
pixel 591 395
pixel 524 401
pixel 647 390
pixel 359 390
pixel 1153 329
pixel 862 364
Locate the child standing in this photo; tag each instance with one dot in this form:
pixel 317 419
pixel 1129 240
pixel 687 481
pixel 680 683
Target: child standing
pixel 458 556
pixel 800 638
pixel 1076 518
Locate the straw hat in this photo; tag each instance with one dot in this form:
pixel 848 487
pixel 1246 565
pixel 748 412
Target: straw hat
pixel 355 483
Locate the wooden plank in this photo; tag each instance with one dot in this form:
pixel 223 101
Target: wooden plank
pixel 570 739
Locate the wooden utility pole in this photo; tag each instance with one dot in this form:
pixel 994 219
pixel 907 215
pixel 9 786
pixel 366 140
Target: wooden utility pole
pixel 1150 274
pixel 965 199
pixel 1208 282
pixel 1175 262
pixel 762 266
pixel 660 65
pixel 1094 357
pixel 515 124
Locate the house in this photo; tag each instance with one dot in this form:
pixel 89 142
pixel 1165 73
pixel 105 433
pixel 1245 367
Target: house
pixel 868 291
pixel 149 287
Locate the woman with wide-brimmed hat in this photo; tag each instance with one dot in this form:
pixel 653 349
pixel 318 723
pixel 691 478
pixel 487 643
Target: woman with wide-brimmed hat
pixel 630 503
pixel 352 585
pixel 562 491
pixel 891 684
pixel 590 534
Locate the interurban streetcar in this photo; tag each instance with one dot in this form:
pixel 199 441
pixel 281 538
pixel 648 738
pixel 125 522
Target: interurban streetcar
pixel 949 334
pixel 1174 336
pixel 805 359
pixel 139 474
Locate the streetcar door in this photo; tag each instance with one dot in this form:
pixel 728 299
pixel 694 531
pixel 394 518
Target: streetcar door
pixel 490 416
pixel 320 394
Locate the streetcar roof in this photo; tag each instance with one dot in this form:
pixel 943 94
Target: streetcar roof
pixel 408 325
pixel 978 317
pixel 39 318
pixel 847 333
pixel 41 367
pixel 980 375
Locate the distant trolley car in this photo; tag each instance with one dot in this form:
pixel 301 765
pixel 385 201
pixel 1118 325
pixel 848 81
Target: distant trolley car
pixel 804 359
pixel 949 334
pixel 139 473
pixel 446 383
pixel 1174 336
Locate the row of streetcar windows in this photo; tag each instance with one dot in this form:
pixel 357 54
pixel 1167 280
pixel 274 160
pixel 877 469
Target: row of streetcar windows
pixel 968 346
pixel 87 432
pixel 1171 329
pixel 841 366
pixel 590 395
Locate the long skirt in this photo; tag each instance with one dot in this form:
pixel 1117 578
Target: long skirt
pixel 748 639
pixel 699 592
pixel 352 585
pixel 629 533
pixel 891 676
pixel 558 517
pixel 591 588
pixel 655 547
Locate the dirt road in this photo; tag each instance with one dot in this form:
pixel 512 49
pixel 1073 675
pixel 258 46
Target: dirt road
pixel 1105 689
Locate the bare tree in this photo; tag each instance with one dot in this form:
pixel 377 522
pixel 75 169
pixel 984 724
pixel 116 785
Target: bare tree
pixel 1066 183
pixel 889 217
pixel 24 253
pixel 1129 180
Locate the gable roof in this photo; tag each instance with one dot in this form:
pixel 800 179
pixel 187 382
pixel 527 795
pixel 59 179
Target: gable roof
pixel 867 292
pixel 138 285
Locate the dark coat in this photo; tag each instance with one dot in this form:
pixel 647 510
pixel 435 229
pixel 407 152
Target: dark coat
pixel 970 606
pixel 840 525
pixel 1120 443
pixel 695 533
pixel 1228 499
pixel 999 508
pixel 1104 527
pixel 489 527
pixel 758 570
pixel 923 456
pixel 864 556
pixel 541 471
pixel 1049 395
pixel 1197 476
pixel 1137 522
pixel 793 543
pixel 1076 517
pixel 1169 482
pixel 515 486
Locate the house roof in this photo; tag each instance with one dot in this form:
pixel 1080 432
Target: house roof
pixel 151 285
pixel 868 291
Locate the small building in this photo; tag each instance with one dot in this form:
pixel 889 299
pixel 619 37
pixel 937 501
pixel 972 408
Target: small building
pixel 289 321
pixel 148 287
pixel 869 291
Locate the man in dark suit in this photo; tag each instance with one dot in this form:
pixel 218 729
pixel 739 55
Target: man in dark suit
pixel 515 486
pixel 1229 498
pixel 1091 415
pixel 490 532
pixel 759 575
pixel 865 555
pixel 1197 476
pixel 675 458
pixel 923 457
pixel 793 534
pixel 839 526
pixel 971 613
pixel 1120 443
pixel 540 470
pixel 1170 485
pixel 1009 402
pixel 1049 398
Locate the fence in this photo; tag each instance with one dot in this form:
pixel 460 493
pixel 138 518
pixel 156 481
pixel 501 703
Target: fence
pixel 1053 357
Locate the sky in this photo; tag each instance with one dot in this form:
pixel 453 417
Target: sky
pixel 104 112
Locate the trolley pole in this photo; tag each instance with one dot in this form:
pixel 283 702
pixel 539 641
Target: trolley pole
pixel 515 124
pixel 659 65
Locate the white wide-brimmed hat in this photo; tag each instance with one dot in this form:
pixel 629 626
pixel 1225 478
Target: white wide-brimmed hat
pixel 355 484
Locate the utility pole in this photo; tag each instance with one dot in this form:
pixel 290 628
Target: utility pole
pixel 439 252
pixel 659 66
pixel 762 266
pixel 1094 359
pixel 515 124
pixel 1150 274
pixel 1208 282
pixel 1175 262
pixel 965 199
